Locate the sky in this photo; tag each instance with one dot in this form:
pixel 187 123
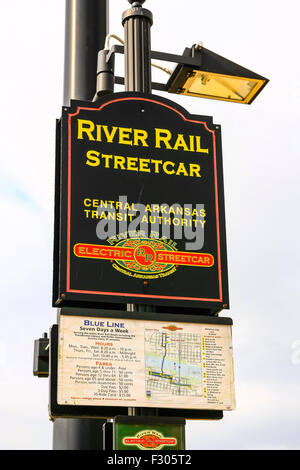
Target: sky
pixel 261 174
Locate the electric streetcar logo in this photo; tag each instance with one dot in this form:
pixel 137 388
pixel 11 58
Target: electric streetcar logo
pixel 149 439
pixel 144 258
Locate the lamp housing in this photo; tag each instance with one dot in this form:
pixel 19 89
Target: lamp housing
pixel 214 77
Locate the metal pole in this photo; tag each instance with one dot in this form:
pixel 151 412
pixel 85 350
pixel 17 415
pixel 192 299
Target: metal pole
pixel 137 22
pixel 86 27
pixel 85 30
pixel 78 434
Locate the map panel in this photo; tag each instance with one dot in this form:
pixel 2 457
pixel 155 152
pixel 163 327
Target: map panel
pixel 129 362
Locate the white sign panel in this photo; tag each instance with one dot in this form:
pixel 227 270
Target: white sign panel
pixel 126 362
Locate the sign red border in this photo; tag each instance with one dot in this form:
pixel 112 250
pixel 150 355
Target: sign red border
pixel 122 294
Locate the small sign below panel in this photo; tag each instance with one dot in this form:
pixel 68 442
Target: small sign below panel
pixel 105 361
pixel 148 433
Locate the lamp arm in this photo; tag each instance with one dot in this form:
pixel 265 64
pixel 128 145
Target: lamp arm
pixel 165 56
pixel 178 59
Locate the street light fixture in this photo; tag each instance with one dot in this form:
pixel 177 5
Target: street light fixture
pixel 215 77
pixel 199 73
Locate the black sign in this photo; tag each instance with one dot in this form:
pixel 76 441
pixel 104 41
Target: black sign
pixel 139 205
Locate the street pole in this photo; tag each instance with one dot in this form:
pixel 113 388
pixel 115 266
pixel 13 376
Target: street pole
pixel 86 27
pixel 137 22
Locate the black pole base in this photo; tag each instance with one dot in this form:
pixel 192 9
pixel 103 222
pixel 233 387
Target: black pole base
pixel 77 434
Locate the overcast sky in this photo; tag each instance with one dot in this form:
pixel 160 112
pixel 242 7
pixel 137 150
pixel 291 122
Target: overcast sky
pixel 261 171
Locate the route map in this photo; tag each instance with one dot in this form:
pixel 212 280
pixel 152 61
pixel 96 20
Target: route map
pixel 173 365
pixel 107 361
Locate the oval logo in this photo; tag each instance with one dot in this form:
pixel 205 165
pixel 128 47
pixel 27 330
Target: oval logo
pixel 145 263
pixel 149 439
